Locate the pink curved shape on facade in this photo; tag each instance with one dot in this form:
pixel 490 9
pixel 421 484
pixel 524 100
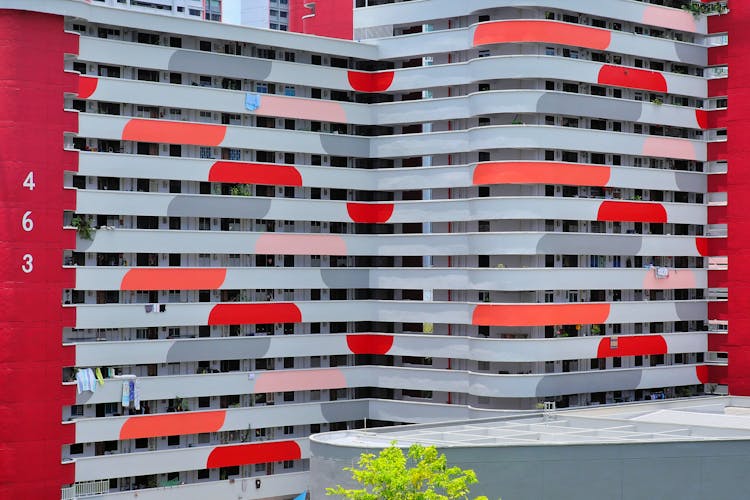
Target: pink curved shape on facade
pixel 303 380
pixel 669 18
pixel 300 244
pixel 303 109
pixel 668 147
pixel 678 278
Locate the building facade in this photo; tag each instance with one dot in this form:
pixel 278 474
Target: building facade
pixel 221 240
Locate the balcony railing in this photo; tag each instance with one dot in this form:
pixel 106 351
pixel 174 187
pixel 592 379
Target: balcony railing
pixel 87 489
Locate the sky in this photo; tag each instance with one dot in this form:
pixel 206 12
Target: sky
pixel 231 11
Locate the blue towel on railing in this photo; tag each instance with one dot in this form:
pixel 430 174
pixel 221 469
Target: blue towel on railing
pixel 125 399
pixel 252 101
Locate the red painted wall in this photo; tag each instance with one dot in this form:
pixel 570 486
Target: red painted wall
pixel 32 123
pixel 738 186
pixel 333 18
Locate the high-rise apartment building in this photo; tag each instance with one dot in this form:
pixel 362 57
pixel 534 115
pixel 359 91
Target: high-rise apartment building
pixel 210 10
pixel 220 239
pixel 273 14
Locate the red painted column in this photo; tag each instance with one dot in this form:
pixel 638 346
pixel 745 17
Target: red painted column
pixel 32 162
pixel 738 187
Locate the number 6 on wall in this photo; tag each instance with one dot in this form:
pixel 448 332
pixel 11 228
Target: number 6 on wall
pixel 28 263
pixel 26 221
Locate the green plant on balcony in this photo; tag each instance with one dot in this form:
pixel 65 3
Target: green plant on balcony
pixel 596 330
pixel 240 190
pixel 698 9
pixel 657 101
pixel 83 226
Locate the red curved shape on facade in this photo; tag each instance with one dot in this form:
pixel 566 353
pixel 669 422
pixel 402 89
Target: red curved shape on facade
pixel 540 172
pixel 701 117
pixel 370 82
pixel 86 86
pixel 238 314
pixel 542 31
pixel 539 314
pixel 701 244
pixel 626 211
pixel 633 78
pixel 702 373
pixel 198 134
pixel 370 213
pixel 172 424
pixel 254 453
pixel 639 345
pixel 173 279
pixel 369 344
pixel 254 173
pixel 32 50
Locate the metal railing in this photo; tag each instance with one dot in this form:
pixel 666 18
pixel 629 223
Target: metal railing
pixel 87 489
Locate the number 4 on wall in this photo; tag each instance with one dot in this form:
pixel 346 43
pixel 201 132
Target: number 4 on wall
pixel 28 182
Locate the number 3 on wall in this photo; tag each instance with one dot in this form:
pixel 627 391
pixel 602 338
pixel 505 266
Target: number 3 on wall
pixel 28 263
pixel 26 223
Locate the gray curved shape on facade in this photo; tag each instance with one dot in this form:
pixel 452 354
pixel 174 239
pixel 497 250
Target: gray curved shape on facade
pixel 691 311
pixel 211 63
pixel 691 52
pixel 690 182
pixel 345 145
pixel 575 104
pixel 349 278
pixel 611 245
pixel 228 348
pixel 213 206
pixel 603 381
pixel 333 411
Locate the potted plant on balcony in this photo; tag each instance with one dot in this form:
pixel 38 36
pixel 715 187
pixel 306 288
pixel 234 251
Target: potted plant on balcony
pixel 596 330
pixel 83 226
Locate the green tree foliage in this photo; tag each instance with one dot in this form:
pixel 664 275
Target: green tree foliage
pixel 420 474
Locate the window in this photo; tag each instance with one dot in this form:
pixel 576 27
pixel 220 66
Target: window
pixel 148 75
pixel 149 38
pixel 266 53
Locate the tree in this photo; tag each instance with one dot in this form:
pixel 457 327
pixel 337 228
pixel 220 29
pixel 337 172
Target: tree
pixel 421 474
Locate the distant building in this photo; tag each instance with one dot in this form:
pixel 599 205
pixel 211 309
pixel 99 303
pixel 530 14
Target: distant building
pixel 272 14
pixel 209 10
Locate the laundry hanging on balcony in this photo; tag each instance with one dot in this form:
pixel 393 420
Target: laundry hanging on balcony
pixel 661 272
pixel 86 380
pixel 252 101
